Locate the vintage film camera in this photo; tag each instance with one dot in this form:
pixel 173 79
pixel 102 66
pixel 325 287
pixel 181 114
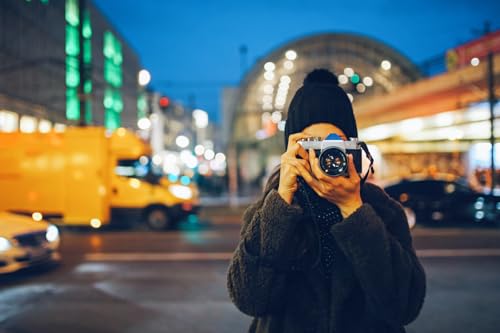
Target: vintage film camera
pixel 332 153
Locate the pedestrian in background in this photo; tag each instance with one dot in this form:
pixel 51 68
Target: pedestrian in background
pixel 319 253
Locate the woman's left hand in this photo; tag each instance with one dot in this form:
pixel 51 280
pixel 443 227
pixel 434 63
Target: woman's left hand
pixel 342 191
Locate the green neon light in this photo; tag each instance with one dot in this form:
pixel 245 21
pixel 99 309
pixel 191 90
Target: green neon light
pixel 108 99
pixel 112 120
pixel 72 72
pixel 72 104
pixel 117 101
pixel 113 75
pixel 355 79
pixel 108 48
pixel 141 105
pixel 87 26
pixel 72 14
pixel 87 86
pixel 73 53
pixel 72 41
pixel 87 51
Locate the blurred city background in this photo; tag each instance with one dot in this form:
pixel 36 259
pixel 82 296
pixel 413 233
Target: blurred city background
pixel 134 134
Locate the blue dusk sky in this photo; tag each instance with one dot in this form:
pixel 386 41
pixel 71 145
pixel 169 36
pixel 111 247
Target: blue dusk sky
pixel 192 47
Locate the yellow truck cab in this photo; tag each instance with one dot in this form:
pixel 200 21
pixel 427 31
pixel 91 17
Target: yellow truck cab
pixel 87 176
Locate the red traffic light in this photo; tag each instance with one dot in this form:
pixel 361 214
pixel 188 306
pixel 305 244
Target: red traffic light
pixel 164 102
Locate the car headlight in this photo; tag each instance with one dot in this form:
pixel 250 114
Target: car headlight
pixel 52 233
pixel 181 191
pixel 4 244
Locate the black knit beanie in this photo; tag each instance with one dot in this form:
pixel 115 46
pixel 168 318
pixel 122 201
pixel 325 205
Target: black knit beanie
pixel 320 100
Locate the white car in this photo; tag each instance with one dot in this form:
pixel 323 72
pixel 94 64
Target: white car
pixel 25 242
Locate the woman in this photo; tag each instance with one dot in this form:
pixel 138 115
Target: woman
pixel 321 253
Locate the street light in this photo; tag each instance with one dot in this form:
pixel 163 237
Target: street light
pixel 182 141
pixel 199 150
pixel 291 55
pixel 144 123
pixel 200 118
pixel 143 77
pixel 385 64
pixel 209 154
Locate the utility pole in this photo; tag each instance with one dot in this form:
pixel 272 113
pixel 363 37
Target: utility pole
pixel 492 101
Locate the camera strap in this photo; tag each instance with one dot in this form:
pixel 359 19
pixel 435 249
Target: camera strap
pixel 364 146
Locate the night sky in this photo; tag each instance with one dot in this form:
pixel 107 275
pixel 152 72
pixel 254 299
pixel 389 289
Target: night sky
pixel 192 47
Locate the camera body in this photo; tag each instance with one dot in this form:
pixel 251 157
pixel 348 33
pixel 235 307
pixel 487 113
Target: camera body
pixel 332 153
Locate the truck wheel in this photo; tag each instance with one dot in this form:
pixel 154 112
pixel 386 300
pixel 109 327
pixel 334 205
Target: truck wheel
pixel 157 218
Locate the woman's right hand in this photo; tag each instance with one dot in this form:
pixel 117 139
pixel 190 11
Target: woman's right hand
pixel 292 167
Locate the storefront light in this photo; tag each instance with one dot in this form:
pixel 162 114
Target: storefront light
pixel 157 160
pixel 348 71
pixel 291 55
pixel 209 154
pixel 28 124
pixel 269 66
pixel 44 126
pixel 220 157
pixel 199 150
pixel 8 121
pixel 343 79
pixel 276 117
pixel 269 76
pixel 59 128
pixel 368 81
pixel 386 65
pixel 285 79
pixel 200 118
pixel 182 141
pixel 144 124
pixel 411 125
pixel 268 88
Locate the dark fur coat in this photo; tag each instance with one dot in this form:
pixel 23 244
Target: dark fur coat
pixel 377 285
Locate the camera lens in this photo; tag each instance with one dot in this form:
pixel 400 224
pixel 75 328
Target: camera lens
pixel 333 162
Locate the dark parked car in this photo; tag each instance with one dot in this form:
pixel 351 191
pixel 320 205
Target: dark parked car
pixel 442 202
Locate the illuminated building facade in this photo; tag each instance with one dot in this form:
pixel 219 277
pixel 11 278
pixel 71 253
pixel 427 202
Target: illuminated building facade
pixel 63 64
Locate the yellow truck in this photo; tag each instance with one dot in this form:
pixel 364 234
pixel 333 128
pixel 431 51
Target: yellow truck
pixel 86 176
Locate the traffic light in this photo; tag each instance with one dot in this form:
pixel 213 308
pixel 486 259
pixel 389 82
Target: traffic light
pixel 164 102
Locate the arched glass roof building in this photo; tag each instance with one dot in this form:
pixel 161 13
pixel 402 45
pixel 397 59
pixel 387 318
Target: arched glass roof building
pixel 364 66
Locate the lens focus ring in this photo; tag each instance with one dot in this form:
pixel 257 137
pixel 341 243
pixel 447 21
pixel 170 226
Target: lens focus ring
pixel 333 162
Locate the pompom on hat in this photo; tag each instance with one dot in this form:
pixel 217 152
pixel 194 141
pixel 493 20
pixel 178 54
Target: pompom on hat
pixel 320 100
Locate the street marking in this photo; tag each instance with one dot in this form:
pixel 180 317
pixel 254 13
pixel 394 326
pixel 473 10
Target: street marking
pixel 441 253
pixel 223 256
pixel 180 256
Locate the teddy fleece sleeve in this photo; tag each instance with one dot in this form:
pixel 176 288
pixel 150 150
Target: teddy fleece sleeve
pixel 384 261
pixel 256 276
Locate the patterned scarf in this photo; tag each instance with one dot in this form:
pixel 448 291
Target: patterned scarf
pixel 324 214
